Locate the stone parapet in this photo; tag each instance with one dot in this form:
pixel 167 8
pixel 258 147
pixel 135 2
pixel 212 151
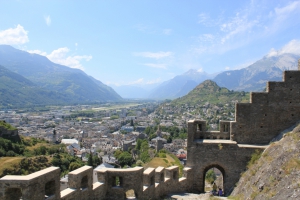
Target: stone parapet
pixel 43 184
pixel 112 184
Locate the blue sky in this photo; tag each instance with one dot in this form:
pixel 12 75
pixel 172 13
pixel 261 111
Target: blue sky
pixel 146 42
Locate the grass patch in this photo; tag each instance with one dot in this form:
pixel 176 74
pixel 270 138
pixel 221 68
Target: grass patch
pixel 7 126
pixel 292 164
pixel 31 148
pixel 254 158
pixel 9 163
pixel 237 197
pixel 177 162
pixel 159 162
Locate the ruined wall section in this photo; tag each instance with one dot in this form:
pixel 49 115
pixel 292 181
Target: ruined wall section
pixel 268 113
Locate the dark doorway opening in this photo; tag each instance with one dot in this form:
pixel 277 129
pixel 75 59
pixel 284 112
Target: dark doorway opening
pixel 214 180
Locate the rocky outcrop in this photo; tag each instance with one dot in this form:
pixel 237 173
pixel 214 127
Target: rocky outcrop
pixel 276 174
pixel 8 131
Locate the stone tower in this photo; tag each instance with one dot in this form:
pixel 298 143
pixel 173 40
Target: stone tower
pixel 54 136
pixel 159 144
pixel 158 132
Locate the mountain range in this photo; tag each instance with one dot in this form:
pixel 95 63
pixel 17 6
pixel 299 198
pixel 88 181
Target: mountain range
pixel 255 76
pixel 251 78
pixel 32 79
pixel 179 85
pixel 39 78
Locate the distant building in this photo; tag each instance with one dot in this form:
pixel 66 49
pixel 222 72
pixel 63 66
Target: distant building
pixel 164 141
pixel 69 141
pixel 102 166
pixel 128 129
pixel 64 183
pixel 158 141
pixel 140 128
pixel 127 144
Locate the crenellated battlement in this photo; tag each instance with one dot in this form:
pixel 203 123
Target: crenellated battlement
pixel 268 113
pixel 151 183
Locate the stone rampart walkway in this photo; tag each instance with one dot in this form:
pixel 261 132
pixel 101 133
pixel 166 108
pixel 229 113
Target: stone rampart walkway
pixel 191 196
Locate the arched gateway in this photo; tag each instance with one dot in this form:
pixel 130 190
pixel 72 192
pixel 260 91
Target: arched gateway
pixel 212 167
pixel 226 155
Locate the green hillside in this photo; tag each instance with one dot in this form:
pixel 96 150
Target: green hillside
pixel 209 91
pixel 34 79
pixel 26 155
pixel 16 91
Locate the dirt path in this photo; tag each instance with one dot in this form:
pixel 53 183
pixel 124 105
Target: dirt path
pixel 191 196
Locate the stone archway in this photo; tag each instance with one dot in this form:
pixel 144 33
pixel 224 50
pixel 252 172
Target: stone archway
pixel 219 168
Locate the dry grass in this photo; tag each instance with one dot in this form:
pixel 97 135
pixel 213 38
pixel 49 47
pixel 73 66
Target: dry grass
pixel 9 163
pixel 38 145
pixel 292 164
pixel 125 105
pixel 156 162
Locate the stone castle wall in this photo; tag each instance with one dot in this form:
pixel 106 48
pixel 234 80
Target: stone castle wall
pixel 228 156
pixel 149 184
pixel 268 113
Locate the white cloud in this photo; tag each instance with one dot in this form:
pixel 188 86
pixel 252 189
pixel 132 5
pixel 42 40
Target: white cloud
pixel 291 47
pixel 255 21
pixel 227 68
pixel 158 80
pixel 206 38
pixel 240 24
pixel 206 20
pixel 167 31
pixel 38 52
pixel 200 70
pixel 112 83
pixel 60 56
pixel 153 65
pixel 139 81
pixel 14 36
pixel 156 55
pixel 288 8
pixel 47 20
pixel 202 17
pixel 272 52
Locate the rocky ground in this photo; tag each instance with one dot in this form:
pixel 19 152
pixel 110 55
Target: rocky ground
pixel 276 174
